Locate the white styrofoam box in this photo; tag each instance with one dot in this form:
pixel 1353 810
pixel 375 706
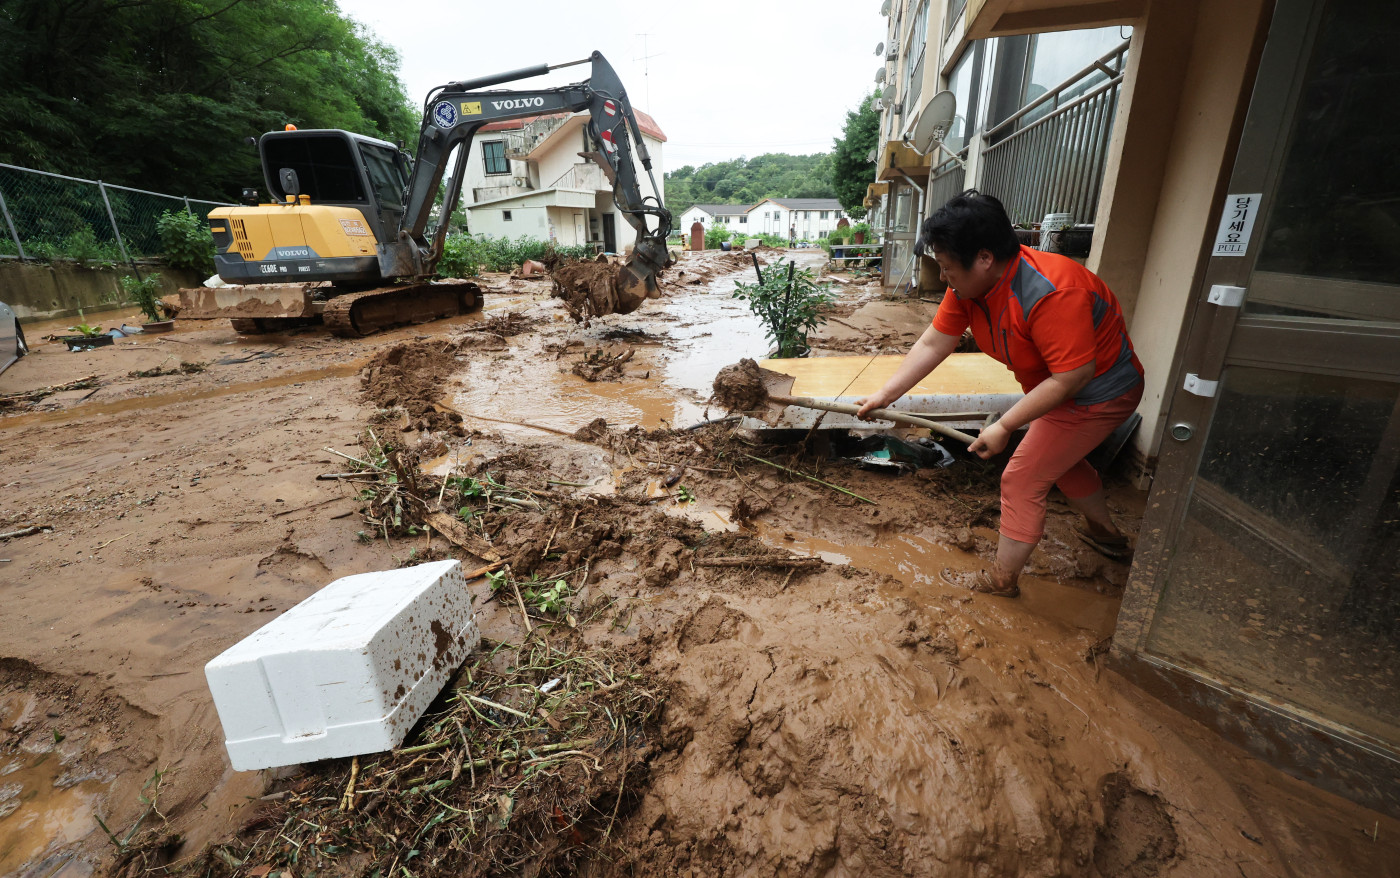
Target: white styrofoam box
pixel 347 671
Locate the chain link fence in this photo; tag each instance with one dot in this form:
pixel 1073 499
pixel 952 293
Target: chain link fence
pixel 49 216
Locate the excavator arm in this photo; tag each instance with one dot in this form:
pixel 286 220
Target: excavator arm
pixel 453 113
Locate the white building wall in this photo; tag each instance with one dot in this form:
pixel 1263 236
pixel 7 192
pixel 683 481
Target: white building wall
pixel 531 221
pixel 692 216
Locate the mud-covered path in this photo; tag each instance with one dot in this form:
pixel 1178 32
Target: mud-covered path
pixel 862 718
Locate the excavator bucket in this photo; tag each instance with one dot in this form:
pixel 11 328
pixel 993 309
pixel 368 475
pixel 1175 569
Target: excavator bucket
pixel 635 284
pixel 636 279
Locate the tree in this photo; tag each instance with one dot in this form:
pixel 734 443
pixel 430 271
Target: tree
pixel 162 94
pixel 852 171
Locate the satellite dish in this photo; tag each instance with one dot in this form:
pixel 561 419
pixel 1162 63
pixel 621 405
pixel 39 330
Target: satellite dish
pixel 888 93
pixel 934 122
pixel 880 49
pixel 879 76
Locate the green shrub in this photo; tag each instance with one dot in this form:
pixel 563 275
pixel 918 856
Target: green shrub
pixel 716 235
pixel 145 293
pixel 459 259
pixel 186 241
pixel 82 245
pixel 790 303
pixel 466 254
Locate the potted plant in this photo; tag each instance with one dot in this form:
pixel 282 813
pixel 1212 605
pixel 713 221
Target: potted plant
pixel 145 292
pixel 859 232
pixel 87 338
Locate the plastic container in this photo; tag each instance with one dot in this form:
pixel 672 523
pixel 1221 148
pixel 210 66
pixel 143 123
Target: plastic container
pixel 1053 222
pixel 347 671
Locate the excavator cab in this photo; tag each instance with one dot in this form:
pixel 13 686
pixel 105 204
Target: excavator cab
pixel 337 200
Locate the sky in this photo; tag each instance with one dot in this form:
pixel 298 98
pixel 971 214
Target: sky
pixel 722 80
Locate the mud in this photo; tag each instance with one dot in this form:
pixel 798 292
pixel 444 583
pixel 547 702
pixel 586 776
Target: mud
pixel 739 387
pixel 592 289
pixel 855 718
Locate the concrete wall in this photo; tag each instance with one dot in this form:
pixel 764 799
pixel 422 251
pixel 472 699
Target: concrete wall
pixel 532 221
pixel 40 291
pixel 1184 97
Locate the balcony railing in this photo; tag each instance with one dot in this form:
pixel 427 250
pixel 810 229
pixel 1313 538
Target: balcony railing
pixel 581 176
pixel 1055 163
pixel 946 179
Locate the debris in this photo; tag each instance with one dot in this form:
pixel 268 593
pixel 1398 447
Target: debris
pixel 460 535
pixel 600 365
pixel 26 531
pixel 811 478
pixel 11 400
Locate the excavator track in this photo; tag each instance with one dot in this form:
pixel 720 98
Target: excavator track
pixel 355 315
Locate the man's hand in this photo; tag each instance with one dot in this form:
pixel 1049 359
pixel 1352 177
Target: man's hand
pixel 990 442
pixel 871 403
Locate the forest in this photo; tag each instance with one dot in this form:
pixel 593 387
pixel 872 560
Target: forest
pixel 163 94
pixel 746 181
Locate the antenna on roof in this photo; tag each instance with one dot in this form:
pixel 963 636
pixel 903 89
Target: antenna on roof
pixel 646 66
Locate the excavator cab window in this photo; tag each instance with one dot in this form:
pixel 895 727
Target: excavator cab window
pixel 386 176
pixel 325 166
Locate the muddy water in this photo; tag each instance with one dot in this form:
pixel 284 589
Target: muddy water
pixel 707 330
pixel 46 799
pixel 143 403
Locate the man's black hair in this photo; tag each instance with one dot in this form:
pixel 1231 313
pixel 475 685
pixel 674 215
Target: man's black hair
pixel 967 224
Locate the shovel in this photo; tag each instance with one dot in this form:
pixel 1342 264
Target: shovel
pixel 778 386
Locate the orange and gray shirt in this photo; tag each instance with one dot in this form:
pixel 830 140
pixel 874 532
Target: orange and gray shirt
pixel 1047 313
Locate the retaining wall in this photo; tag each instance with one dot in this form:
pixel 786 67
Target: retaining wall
pixel 41 290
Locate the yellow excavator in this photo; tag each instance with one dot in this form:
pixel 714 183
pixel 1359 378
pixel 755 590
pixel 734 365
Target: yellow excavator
pixel 347 239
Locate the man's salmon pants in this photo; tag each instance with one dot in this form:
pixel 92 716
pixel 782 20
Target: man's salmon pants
pixel 1052 453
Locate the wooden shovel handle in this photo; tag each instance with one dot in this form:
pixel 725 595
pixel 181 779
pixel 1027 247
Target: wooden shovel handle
pixel 882 414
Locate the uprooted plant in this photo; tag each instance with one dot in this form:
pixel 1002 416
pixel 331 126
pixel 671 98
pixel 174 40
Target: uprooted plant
pixel 790 305
pixel 524 766
pixel 398 498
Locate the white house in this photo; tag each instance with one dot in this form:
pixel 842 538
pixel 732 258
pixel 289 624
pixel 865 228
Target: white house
pixel 710 215
pixel 526 177
pixel 809 218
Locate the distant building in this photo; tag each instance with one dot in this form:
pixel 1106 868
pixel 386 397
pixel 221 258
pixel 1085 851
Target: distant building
pixel 813 218
pixel 711 215
pixel 526 177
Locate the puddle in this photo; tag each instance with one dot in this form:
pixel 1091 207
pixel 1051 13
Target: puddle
pixel 707 330
pixel 47 800
pixel 142 403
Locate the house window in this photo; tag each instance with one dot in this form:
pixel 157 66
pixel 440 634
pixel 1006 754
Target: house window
pixel 825 214
pixel 505 215
pixel 743 220
pixel 493 153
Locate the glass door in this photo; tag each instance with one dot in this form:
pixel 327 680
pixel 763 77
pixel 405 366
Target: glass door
pixel 1267 582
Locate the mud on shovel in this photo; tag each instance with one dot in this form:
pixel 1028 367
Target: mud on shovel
pixel 778 388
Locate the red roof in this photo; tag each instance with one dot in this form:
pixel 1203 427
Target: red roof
pixel 644 122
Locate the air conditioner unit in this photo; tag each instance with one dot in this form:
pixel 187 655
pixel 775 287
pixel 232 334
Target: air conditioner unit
pixel 898 108
pixel 521 182
pixel 892 55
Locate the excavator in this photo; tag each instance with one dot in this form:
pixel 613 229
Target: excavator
pixel 348 242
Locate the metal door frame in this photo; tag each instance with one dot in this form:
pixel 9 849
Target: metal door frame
pixel 1303 744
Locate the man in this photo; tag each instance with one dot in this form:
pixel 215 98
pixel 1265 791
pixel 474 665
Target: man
pixel 1060 330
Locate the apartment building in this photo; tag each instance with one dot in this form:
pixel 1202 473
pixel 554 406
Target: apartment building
pixel 1233 161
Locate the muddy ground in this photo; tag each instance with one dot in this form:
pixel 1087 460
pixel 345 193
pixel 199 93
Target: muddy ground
pixel 852 717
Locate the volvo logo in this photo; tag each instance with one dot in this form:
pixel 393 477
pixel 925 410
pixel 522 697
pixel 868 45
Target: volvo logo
pixel 517 104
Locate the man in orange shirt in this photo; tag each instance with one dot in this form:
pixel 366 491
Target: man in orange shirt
pixel 1060 330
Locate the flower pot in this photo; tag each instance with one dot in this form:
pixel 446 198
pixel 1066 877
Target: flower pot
pixel 85 342
pixel 858 238
pixel 158 326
